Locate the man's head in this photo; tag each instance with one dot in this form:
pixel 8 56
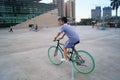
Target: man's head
pixel 62 20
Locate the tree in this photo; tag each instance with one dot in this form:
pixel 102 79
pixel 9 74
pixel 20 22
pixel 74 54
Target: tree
pixel 86 21
pixel 115 5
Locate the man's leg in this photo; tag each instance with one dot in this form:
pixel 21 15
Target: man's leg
pixel 68 44
pixel 65 53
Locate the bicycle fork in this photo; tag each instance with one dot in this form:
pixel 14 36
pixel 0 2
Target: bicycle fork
pixel 56 52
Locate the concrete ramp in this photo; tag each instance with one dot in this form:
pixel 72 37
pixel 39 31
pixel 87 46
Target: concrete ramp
pixel 49 19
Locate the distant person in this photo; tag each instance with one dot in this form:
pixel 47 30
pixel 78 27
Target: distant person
pixel 31 27
pixel 115 25
pixel 36 27
pixel 93 24
pixel 98 25
pixel 11 29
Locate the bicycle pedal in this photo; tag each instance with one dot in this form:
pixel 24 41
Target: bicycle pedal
pixel 78 63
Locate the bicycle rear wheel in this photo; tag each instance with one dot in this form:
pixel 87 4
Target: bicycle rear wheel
pixel 55 54
pixel 83 62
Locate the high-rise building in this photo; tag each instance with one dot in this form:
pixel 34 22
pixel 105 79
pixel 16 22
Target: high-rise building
pixel 54 1
pixel 93 13
pixel 66 9
pixel 60 4
pixel 96 13
pixel 73 9
pixel 70 9
pixel 107 12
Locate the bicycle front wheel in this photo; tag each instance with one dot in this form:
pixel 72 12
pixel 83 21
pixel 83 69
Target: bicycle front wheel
pixel 55 54
pixel 83 62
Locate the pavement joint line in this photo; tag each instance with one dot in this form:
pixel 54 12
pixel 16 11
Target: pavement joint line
pixel 29 50
pixel 100 38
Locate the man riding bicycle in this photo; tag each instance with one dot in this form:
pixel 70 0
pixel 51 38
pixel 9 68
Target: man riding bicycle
pixel 72 35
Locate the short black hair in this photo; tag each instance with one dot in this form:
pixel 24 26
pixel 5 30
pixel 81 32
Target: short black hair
pixel 64 19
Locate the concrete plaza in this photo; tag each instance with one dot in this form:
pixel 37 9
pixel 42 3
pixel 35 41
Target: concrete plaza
pixel 23 54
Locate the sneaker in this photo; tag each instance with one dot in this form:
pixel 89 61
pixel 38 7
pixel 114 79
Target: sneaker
pixel 64 60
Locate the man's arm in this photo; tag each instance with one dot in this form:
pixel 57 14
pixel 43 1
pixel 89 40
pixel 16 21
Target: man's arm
pixel 63 36
pixel 58 34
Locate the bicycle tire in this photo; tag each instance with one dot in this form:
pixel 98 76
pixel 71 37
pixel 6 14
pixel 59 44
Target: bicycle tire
pixel 55 59
pixel 81 68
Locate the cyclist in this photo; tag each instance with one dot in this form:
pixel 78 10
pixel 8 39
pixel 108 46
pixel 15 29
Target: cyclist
pixel 72 35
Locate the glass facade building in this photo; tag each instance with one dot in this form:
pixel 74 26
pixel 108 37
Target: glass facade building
pixel 16 11
pixel 107 12
pixel 96 13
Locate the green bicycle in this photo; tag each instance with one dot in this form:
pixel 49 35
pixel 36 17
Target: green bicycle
pixel 82 61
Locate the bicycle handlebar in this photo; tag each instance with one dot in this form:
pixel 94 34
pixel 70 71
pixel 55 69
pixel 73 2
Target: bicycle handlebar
pixel 57 39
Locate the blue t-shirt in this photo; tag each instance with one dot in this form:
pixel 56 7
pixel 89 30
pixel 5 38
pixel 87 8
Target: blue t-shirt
pixel 70 32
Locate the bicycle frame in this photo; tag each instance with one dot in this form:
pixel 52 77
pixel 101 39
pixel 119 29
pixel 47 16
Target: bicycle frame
pixel 58 44
pixel 75 56
pixel 73 49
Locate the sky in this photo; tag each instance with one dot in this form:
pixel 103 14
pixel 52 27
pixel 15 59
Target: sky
pixel 83 7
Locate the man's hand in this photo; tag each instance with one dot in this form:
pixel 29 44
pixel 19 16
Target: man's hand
pixel 57 36
pixel 55 39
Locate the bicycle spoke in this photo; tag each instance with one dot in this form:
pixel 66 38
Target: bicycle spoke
pixel 83 62
pixel 55 54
